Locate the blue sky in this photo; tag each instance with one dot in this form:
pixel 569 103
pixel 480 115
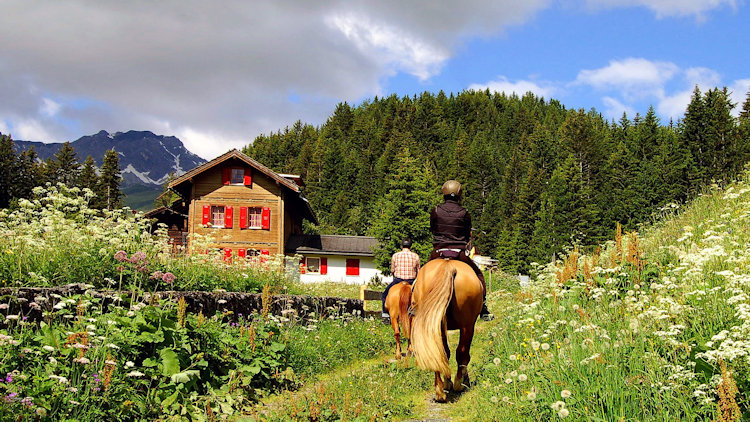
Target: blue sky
pixel 217 75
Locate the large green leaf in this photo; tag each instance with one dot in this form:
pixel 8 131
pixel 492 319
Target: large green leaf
pixel 185 376
pixel 170 362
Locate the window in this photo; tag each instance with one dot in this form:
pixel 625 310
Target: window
pixel 255 217
pixel 313 265
pixel 217 215
pixel 352 266
pixel 238 176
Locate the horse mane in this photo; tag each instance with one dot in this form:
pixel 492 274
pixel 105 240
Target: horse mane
pixel 427 325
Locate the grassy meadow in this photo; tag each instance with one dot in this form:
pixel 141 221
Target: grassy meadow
pixel 649 326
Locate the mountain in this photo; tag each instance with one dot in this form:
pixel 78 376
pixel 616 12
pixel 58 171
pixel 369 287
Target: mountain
pixel 146 160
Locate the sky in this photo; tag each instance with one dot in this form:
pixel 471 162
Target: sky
pixel 218 74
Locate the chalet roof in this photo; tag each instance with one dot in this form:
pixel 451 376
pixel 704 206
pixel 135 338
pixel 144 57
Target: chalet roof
pixel 185 178
pixel 331 245
pixel 182 184
pixel 164 211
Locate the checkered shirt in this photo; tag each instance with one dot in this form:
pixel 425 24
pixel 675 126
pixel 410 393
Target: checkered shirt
pixel 405 264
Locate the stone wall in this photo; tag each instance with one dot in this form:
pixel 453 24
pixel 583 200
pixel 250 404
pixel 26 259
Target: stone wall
pixel 31 302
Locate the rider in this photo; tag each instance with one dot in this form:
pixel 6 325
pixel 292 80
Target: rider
pixel 404 267
pixel 450 225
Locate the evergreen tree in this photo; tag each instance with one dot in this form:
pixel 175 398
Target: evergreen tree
pixel 87 178
pixel 404 211
pixel 64 166
pixel 8 170
pixel 567 215
pixel 108 193
pixel 167 196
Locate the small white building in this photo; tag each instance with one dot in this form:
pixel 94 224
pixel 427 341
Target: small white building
pixel 347 259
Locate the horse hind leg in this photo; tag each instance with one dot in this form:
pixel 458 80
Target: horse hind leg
pixel 440 395
pixel 463 357
pixel 396 335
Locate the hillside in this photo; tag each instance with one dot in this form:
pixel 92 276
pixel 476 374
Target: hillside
pixel 650 326
pixel 537 176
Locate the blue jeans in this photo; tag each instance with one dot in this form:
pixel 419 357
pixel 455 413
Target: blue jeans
pixel 395 281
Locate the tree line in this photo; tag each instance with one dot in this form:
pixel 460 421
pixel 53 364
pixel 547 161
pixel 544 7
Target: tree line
pixel 21 171
pixel 537 177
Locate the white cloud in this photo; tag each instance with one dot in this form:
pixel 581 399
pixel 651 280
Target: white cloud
pixel 520 87
pixel 634 77
pixel 668 8
pixel 29 130
pixel 739 91
pixel 613 108
pixel 391 45
pixel 225 71
pixel 49 107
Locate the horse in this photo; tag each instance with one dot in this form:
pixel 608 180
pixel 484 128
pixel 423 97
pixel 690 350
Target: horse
pixel 447 295
pixel 397 304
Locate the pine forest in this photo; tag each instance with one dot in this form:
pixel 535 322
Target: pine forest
pixel 537 177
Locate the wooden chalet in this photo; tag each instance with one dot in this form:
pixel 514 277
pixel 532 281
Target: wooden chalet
pixel 245 206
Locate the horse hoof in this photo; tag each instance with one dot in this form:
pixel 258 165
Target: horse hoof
pixel 398 355
pixel 448 385
pixel 441 398
pixel 459 387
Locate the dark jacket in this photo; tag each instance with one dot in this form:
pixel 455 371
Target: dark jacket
pixel 450 225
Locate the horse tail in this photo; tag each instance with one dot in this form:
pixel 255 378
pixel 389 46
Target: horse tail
pixel 428 323
pixel 403 305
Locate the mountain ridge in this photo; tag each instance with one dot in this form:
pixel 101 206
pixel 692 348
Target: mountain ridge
pixel 145 158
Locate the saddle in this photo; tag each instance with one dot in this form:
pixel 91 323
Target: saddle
pixel 448 253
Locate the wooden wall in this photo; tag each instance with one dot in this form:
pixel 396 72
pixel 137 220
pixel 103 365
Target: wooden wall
pixel 263 192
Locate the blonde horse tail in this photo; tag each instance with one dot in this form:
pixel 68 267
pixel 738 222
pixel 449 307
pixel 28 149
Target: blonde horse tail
pixel 427 324
pixel 403 305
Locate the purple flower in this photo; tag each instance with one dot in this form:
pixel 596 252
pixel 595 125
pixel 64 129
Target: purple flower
pixel 138 257
pixel 121 256
pixel 157 275
pixel 168 278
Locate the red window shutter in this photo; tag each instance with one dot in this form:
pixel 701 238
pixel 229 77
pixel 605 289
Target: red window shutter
pixel 302 266
pixel 323 266
pixel 264 253
pixel 352 266
pixel 243 217
pixel 241 253
pixel 206 214
pixel 248 177
pixel 228 217
pixel 226 176
pixel 265 219
pixel 227 255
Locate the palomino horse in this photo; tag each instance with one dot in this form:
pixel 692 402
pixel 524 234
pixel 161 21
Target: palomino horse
pixel 447 295
pixel 397 303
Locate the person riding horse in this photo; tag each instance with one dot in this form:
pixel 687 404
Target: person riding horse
pixel 450 224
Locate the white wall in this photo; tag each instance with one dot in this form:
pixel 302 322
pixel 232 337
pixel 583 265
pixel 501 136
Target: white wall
pixel 337 270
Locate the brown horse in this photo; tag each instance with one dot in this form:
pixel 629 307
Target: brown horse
pixel 447 295
pixel 397 303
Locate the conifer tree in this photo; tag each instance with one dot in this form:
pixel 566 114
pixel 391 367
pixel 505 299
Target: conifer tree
pixel 108 193
pixel 404 211
pixel 87 178
pixel 64 166
pixel 8 170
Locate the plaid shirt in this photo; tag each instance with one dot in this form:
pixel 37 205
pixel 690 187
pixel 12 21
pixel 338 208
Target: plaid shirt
pixel 405 264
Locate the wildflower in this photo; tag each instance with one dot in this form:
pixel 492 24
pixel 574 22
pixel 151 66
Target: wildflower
pixel 506 399
pixel 113 346
pixel 12 317
pixel 508 380
pixel 82 361
pixel 494 399
pixel 556 406
pixel 135 374
pixel 565 394
pixel 496 361
pixel 168 278
pixel 4 306
pixel 563 413
pixel 121 256
pixel 129 364
pixel 545 346
pixel 110 362
pixel 72 389
pixel 522 377
pixel 531 395
pixel 535 345
pixel 73 402
pixel 48 348
pixel 157 275
pixel 513 357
